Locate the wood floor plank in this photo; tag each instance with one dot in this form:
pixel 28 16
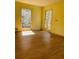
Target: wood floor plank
pixel 41 45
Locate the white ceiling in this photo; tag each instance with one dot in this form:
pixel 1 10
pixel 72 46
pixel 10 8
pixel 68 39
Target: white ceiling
pixel 39 2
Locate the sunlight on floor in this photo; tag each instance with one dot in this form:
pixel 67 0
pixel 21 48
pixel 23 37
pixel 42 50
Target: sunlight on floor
pixel 26 33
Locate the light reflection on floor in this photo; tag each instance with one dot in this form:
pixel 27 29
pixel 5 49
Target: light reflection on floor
pixel 26 42
pixel 47 39
pixel 26 33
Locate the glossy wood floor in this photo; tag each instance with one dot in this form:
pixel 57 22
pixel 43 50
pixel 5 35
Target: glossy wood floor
pixel 41 45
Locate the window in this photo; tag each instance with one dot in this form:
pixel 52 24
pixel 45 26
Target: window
pixel 26 18
pixel 48 18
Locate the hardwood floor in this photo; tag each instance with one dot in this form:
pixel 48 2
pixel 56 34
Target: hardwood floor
pixel 41 45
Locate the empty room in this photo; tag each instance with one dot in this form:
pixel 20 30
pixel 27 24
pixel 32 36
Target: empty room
pixel 39 29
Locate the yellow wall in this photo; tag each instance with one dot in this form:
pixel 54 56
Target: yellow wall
pixel 57 19
pixel 36 15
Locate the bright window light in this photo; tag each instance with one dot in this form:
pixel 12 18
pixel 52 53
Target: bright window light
pixel 26 33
